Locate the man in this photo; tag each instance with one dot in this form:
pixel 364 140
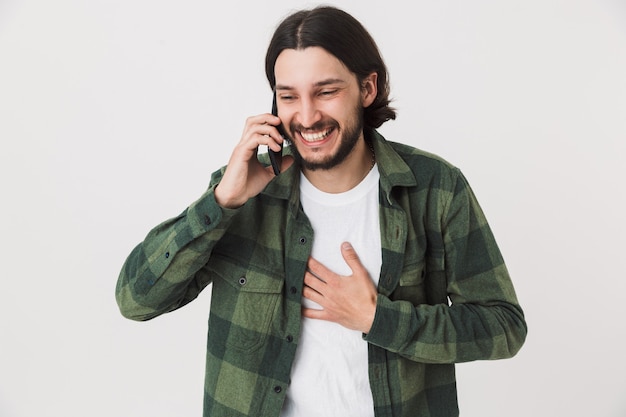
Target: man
pixel 331 280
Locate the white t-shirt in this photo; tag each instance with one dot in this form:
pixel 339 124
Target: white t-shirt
pixel 330 373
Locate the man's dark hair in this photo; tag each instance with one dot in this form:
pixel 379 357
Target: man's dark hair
pixel 344 37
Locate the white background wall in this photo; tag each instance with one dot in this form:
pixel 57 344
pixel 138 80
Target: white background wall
pixel 113 114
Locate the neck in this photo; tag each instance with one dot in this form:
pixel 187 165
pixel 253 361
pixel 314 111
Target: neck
pixel 346 175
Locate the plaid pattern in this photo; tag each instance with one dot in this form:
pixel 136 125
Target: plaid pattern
pixel 445 295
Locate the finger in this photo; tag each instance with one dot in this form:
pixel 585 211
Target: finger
pixel 263 119
pixel 265 135
pixel 270 126
pixel 314 281
pixel 312 313
pixel 262 126
pixel 311 294
pixel 351 257
pixel 261 137
pixel 318 269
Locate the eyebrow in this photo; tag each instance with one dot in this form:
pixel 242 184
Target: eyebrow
pixel 322 83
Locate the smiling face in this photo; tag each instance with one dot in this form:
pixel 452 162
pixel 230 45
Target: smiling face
pixel 321 102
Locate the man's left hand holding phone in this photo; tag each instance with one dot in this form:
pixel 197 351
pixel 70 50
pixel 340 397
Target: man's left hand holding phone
pixel 245 177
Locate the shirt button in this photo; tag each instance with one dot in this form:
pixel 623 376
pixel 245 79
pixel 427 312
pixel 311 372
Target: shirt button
pixel 289 339
pixel 242 281
pixel 207 219
pixel 278 389
pixel 302 240
pixel 293 290
pixel 167 255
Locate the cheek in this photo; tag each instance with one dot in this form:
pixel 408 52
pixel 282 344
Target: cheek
pixel 287 118
pixel 339 111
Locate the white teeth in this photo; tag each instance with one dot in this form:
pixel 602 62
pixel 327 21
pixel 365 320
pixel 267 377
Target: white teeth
pixel 313 137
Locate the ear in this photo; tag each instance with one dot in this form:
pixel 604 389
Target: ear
pixel 369 89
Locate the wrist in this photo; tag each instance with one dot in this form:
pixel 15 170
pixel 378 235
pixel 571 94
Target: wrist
pixel 226 201
pixel 371 315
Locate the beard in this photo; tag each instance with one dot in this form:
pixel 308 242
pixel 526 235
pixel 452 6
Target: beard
pixel 349 138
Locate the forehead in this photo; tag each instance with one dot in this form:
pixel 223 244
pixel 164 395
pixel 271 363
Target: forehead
pixel 300 68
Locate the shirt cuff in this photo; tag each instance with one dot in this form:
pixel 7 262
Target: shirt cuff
pixel 205 214
pixel 392 323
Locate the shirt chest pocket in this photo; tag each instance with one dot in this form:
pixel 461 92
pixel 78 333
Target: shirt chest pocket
pixel 411 285
pixel 244 302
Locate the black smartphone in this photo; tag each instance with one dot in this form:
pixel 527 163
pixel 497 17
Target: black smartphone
pixel 276 158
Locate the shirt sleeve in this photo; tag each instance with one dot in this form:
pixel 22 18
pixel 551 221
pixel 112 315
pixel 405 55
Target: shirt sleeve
pixel 484 319
pixel 165 271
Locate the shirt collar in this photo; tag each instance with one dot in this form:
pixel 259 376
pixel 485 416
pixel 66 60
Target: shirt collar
pixel 393 172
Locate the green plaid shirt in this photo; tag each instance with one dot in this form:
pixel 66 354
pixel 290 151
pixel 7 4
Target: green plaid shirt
pixel 436 246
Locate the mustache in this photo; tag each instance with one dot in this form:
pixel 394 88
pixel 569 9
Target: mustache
pixel 318 126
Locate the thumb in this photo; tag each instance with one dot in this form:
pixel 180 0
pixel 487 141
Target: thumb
pixel 351 257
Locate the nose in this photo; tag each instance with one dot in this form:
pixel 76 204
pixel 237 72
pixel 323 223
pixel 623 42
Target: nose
pixel 308 114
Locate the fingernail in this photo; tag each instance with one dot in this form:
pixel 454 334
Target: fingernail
pixel 346 245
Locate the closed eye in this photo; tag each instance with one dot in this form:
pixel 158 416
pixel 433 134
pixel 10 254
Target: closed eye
pixel 328 93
